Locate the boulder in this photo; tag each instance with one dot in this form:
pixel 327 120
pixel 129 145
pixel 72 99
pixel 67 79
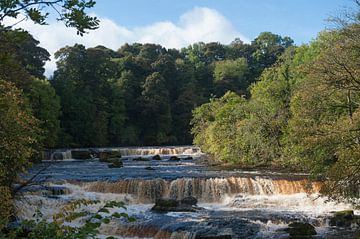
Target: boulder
pixel 174 158
pixel 188 158
pixel 301 230
pixel 57 190
pixel 156 157
pixel 104 156
pixel 342 218
pixel 213 237
pixel 58 156
pixel 81 154
pixel 115 163
pixel 191 201
pixel 141 159
pixel 172 205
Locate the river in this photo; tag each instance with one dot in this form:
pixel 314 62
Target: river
pixel 235 203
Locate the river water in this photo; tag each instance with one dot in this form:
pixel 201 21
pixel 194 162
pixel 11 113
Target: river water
pixel 235 203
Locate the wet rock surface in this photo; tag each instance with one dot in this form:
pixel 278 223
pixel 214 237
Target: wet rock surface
pixel 156 157
pixel 81 154
pixel 171 205
pixel 299 230
pixel 345 218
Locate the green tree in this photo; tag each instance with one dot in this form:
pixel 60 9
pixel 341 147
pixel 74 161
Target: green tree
pixel 71 12
pixel 19 138
pixel 215 127
pixel 231 75
pixel 20 57
pixel 45 105
pixel 156 113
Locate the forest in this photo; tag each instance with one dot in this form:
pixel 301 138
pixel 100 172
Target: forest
pixel 267 103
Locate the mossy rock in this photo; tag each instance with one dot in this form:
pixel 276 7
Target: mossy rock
pixel 174 158
pixel 299 230
pixel 192 201
pixel 104 156
pixel 156 157
pixel 115 163
pixel 166 202
pixel 172 205
pixel 81 154
pixel 141 159
pixel 343 218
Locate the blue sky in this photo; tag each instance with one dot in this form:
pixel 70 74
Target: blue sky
pixel 299 19
pixel 176 24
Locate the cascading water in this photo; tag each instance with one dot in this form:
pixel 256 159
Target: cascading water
pixel 66 154
pixel 235 203
pixel 204 189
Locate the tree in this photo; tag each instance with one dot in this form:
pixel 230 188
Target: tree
pixel 71 12
pixel 45 105
pixel 215 127
pixel 267 48
pixel 20 57
pixel 19 138
pixel 326 108
pixel 231 75
pixel 82 80
pixel 156 114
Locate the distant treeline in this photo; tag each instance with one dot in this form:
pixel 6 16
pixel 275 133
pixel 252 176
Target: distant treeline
pixel 141 94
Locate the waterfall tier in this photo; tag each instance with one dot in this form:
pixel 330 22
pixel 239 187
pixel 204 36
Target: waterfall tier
pixel 205 190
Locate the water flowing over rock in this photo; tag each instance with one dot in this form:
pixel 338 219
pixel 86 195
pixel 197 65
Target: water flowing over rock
pixel 66 154
pixel 229 203
pixel 205 190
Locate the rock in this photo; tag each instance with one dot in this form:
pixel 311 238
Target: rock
pixel 104 156
pixel 189 201
pixel 301 230
pixel 149 168
pixel 166 202
pixel 81 154
pixel 174 158
pixel 115 163
pixel 141 159
pixel 172 205
pixel 188 158
pixel 156 157
pixel 58 156
pixel 342 218
pixel 57 190
pixel 213 237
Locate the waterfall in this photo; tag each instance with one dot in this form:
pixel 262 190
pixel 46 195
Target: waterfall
pixel 169 150
pixel 205 190
pixel 65 154
pixel 61 155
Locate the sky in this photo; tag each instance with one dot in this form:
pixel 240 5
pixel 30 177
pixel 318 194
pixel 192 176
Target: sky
pixel 176 24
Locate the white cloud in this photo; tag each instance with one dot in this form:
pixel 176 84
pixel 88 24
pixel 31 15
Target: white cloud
pixel 198 24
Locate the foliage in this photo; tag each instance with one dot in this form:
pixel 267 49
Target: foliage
pixel 45 105
pixel 19 137
pixel 143 94
pixel 20 57
pixel 231 75
pixel 71 12
pixel 215 126
pixel 303 111
pixel 61 228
